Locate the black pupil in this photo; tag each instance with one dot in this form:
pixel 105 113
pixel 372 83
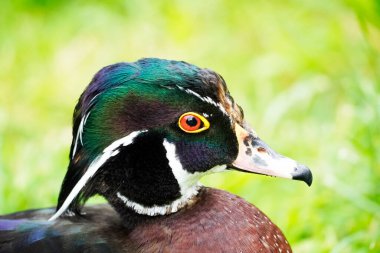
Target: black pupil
pixel 191 121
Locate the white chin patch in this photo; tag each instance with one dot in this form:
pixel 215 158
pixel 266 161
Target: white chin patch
pixel 188 183
pixel 185 179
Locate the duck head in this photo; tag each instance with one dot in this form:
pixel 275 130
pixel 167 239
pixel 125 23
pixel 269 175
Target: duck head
pixel 145 132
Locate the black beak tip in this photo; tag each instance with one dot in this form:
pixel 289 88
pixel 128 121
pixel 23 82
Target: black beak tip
pixel 303 173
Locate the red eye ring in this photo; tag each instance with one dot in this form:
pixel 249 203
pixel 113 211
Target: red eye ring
pixel 192 122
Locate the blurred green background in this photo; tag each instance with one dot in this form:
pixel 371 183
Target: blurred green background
pixel 306 72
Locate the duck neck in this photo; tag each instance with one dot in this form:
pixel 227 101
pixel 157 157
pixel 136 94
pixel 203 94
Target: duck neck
pixel 147 178
pixel 188 198
pixel 133 213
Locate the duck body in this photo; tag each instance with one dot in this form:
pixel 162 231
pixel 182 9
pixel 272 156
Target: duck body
pixel 217 222
pixel 144 133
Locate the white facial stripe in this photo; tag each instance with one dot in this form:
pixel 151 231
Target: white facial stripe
pixel 125 141
pixel 93 99
pixel 79 136
pixel 216 169
pixel 80 133
pixel 84 123
pixel 185 179
pixel 81 126
pixel 173 207
pixel 205 99
pixel 188 183
pixel 108 152
pixel 161 210
pixel 208 100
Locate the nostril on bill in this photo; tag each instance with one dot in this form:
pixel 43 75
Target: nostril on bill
pixel 247 140
pixel 261 150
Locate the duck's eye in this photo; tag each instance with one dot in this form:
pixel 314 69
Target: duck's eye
pixel 192 122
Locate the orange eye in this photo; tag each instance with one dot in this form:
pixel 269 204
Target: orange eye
pixel 192 122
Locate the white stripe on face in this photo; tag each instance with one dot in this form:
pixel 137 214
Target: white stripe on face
pixel 185 179
pixel 108 152
pixel 205 99
pixel 80 134
pixel 188 183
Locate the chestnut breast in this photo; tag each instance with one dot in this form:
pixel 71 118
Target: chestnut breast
pixel 218 222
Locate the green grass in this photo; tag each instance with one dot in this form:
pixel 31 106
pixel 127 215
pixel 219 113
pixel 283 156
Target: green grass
pixel 307 74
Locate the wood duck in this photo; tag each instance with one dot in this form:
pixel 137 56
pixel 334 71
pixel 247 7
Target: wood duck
pixel 144 133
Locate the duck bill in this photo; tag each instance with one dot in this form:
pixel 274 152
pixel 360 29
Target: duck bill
pixel 256 156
